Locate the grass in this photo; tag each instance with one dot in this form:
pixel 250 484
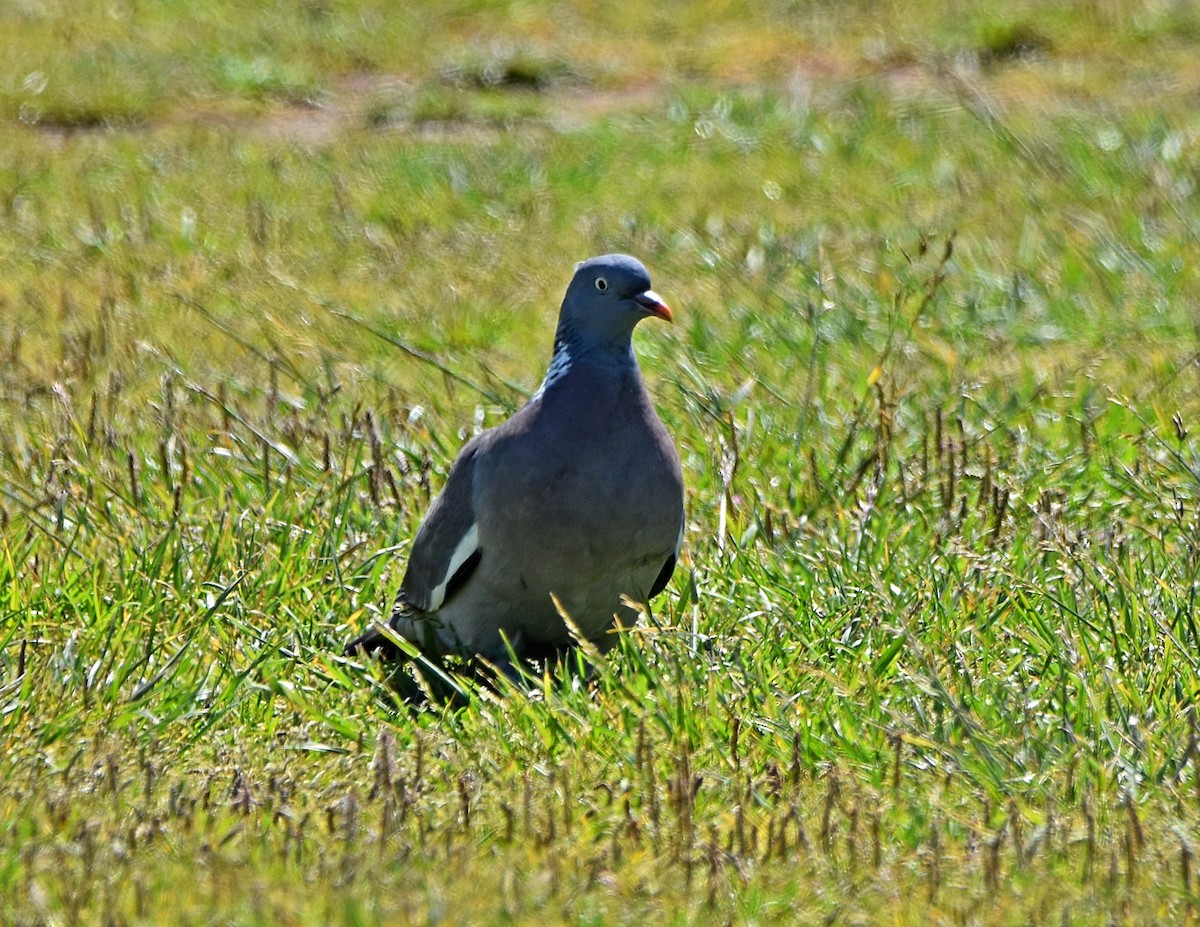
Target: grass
pixel 932 653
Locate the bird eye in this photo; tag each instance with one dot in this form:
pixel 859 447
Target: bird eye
pixel 601 284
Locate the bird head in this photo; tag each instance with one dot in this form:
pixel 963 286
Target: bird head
pixel 607 297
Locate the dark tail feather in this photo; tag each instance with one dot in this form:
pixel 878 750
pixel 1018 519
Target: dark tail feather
pixel 414 680
pixel 379 638
pixel 372 642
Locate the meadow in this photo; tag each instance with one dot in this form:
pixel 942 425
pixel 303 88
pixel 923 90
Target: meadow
pixel 931 655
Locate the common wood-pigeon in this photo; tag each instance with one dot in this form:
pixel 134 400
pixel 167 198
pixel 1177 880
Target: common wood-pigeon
pixel 578 497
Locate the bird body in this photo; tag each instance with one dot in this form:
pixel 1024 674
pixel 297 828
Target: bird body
pixel 574 502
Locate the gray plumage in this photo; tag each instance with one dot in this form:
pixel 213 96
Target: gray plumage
pixel 578 496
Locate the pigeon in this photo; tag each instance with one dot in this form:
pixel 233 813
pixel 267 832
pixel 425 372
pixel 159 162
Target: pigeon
pixel 573 506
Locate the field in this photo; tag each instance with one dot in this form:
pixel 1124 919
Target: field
pixel 932 653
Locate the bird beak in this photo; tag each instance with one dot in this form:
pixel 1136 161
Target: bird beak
pixel 652 304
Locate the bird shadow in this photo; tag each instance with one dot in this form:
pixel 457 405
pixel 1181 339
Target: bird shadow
pixel 418 681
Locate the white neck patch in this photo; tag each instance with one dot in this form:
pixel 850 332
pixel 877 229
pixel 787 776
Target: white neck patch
pixel 560 363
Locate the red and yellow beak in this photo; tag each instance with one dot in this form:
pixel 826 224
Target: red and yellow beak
pixel 652 304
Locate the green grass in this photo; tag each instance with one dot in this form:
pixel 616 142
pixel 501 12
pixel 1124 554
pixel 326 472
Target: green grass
pixel 932 654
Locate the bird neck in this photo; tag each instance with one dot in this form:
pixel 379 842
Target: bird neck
pixel 613 358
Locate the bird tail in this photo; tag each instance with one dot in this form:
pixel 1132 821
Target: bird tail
pixel 372 641
pixel 380 638
pixel 416 672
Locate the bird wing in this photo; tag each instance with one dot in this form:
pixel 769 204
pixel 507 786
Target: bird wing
pixel 445 551
pixel 444 554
